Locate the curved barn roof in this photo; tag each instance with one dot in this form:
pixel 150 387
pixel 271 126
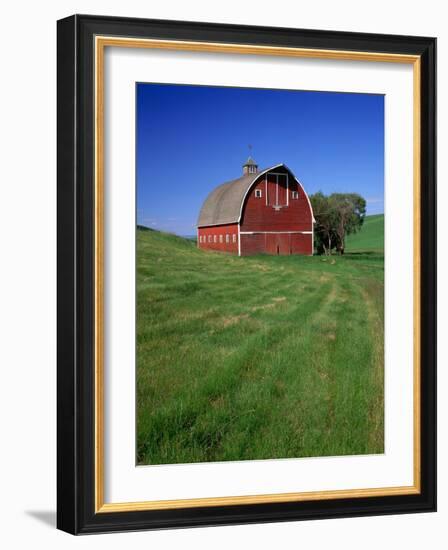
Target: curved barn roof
pixel 223 204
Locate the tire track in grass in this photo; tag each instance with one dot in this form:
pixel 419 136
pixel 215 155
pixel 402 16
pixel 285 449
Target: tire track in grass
pixel 376 322
pixel 254 395
pixel 353 428
pixel 190 419
pixel 305 382
pixel 333 417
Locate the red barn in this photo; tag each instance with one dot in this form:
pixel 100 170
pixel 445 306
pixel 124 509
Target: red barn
pixel 262 212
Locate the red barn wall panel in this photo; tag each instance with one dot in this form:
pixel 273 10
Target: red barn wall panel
pixel 282 244
pixel 253 244
pixel 259 213
pixel 215 238
pixel 302 244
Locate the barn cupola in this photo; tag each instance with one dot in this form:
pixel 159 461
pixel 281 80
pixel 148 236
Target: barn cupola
pixel 250 166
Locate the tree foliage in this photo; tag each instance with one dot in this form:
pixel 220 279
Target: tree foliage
pixel 337 215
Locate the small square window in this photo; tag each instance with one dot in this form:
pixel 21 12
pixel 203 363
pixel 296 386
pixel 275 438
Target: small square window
pixel 221 238
pixel 295 194
pixel 215 239
pixel 209 238
pixel 258 193
pixel 234 238
pixel 227 238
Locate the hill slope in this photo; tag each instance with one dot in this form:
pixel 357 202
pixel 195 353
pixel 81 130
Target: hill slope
pixel 371 236
pixel 261 357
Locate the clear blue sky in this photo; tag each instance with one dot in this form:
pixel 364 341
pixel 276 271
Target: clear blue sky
pixel 192 138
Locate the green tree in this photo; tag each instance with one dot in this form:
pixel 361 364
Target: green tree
pixel 337 216
pixel 325 216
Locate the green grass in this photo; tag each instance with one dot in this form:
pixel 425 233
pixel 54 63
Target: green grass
pixel 370 238
pixel 259 357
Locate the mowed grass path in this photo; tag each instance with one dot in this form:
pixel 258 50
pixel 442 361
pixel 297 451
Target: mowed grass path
pixel 254 358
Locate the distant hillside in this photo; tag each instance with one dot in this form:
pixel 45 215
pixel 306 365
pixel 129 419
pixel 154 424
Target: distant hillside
pixel 144 228
pixel 370 238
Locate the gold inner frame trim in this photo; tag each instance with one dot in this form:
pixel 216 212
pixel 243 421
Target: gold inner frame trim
pixel 101 42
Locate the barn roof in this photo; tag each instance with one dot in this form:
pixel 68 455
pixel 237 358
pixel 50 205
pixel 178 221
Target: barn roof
pixel 223 204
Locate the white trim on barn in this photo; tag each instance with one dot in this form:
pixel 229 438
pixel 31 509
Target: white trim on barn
pixel 216 225
pixel 307 197
pixel 277 174
pixel 239 240
pixel 277 232
pixel 269 170
pixel 312 238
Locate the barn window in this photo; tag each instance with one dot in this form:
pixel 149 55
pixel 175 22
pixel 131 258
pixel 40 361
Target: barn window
pixel 295 194
pixel 258 193
pixel 215 239
pixel 234 238
pixel 220 238
pixel 227 238
pixel 209 238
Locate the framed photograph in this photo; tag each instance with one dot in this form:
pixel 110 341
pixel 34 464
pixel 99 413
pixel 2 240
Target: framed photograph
pixel 246 274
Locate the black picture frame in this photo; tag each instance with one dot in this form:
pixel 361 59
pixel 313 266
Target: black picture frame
pixel 76 264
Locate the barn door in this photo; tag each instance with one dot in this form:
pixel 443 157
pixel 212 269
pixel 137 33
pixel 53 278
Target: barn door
pixel 284 244
pixel 278 244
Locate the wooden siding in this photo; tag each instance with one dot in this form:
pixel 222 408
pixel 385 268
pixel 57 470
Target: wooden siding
pixel 283 244
pixel 270 213
pixel 220 232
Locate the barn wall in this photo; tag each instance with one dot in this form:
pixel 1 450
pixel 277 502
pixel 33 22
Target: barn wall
pixel 282 244
pixel 253 244
pixel 259 216
pixel 220 232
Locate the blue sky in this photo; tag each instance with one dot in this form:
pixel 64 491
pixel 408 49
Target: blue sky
pixel 192 138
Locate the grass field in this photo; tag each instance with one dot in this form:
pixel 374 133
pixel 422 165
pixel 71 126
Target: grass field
pixel 370 238
pixel 259 357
